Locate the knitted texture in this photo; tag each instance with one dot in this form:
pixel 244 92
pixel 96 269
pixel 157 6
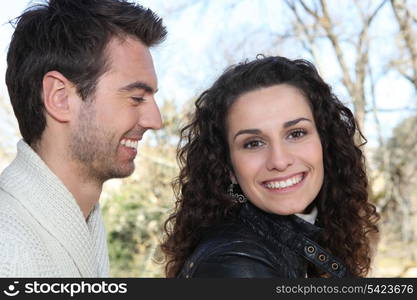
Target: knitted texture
pixel 42 230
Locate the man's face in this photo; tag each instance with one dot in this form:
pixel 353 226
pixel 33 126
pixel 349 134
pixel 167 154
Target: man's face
pixel 104 139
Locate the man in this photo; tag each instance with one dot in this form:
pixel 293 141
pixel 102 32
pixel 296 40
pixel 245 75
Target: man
pixel 82 82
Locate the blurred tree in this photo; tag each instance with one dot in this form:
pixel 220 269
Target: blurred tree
pixel 397 198
pixel 406 62
pixel 400 192
pixel 316 21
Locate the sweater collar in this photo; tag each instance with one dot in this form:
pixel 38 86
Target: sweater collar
pixel 29 180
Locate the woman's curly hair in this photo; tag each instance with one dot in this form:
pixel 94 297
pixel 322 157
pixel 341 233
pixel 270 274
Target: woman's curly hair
pixel 347 218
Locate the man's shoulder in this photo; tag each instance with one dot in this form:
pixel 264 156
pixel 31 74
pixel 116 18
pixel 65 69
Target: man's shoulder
pixel 13 223
pixel 22 255
pixel 22 252
pixel 15 226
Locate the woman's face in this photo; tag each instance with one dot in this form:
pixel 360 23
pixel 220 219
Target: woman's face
pixel 275 149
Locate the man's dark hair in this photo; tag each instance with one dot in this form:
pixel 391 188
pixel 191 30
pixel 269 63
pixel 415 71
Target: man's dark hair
pixel 68 36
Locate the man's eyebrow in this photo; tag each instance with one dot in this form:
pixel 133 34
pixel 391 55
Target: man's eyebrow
pixel 137 85
pixel 293 122
pixel 257 131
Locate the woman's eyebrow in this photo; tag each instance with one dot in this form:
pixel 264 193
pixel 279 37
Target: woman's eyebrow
pixel 293 122
pixel 247 131
pixel 258 131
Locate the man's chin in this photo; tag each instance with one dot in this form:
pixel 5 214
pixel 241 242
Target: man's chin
pixel 124 173
pixel 121 172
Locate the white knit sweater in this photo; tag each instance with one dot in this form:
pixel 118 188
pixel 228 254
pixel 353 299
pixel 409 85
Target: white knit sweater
pixel 42 230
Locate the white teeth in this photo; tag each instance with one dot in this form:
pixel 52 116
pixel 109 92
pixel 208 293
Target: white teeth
pixel 129 143
pixel 285 183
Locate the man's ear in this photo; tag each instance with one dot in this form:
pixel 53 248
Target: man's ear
pixel 56 90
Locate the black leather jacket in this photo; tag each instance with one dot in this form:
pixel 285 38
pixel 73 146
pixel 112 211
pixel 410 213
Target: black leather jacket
pixel 260 245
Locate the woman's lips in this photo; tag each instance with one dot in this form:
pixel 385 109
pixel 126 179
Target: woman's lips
pixel 284 184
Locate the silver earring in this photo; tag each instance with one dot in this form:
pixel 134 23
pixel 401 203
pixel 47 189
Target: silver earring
pixel 237 198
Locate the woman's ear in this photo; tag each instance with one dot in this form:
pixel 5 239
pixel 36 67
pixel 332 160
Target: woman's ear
pixel 233 178
pixel 56 90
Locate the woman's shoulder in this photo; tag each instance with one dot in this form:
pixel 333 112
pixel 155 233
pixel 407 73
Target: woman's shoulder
pixel 230 250
pixel 229 231
pixel 229 237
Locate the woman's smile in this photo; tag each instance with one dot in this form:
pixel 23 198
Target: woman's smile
pixel 285 184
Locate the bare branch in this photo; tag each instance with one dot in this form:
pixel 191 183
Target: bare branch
pixel 309 10
pixel 402 14
pixel 390 110
pixel 362 50
pixel 374 109
pixel 327 24
pixel 309 45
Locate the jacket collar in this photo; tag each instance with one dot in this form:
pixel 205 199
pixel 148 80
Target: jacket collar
pixel 29 180
pixel 294 232
pixel 272 223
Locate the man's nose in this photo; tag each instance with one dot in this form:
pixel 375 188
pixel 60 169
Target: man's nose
pixel 151 117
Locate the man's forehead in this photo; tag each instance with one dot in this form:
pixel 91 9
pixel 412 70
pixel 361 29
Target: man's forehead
pixel 131 58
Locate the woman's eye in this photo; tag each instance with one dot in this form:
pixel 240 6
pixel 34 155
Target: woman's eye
pixel 253 144
pixel 296 134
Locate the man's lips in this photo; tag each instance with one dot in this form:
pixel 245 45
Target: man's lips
pixel 130 142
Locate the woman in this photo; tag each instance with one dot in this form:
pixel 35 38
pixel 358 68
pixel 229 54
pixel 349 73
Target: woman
pixel 271 181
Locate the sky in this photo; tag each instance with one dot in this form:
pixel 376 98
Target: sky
pixel 8 125
pixel 8 10
pixel 203 39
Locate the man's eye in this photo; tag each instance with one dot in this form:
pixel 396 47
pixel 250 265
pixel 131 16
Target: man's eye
pixel 253 144
pixel 296 134
pixel 138 99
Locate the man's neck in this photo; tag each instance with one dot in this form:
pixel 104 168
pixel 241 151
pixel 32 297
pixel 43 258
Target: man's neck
pixel 85 190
